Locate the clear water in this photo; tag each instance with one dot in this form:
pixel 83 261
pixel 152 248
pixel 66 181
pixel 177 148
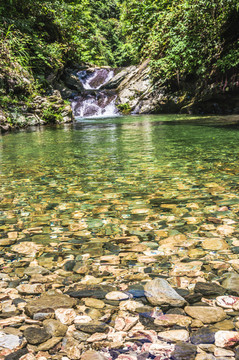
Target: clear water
pixel 108 177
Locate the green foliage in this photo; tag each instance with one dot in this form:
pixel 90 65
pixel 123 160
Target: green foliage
pixel 187 37
pixel 124 108
pixel 182 38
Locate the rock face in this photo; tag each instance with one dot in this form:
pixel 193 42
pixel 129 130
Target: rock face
pixel 159 292
pixel 137 94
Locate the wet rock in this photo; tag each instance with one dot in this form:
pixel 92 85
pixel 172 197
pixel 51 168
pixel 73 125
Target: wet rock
pixel 95 303
pixel 80 336
pixel 225 325
pixel 16 355
pixel 97 337
pixel 27 248
pixel 214 244
pixel 205 356
pixel 209 289
pixel 203 335
pixel 54 327
pixel 32 270
pixel 116 296
pixel 191 269
pixel 223 352
pixel 91 328
pixel 49 344
pixel 9 341
pixel 228 302
pixel 174 335
pixel 159 292
pixel 35 335
pixel 92 355
pixel 65 316
pixel 72 348
pixel 130 305
pixel 49 302
pixel 206 314
pixel 231 283
pixel 184 351
pixel 171 319
pixel 97 292
pixel 31 289
pixel 226 339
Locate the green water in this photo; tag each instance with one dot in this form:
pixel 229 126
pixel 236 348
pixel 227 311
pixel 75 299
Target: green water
pixel 106 178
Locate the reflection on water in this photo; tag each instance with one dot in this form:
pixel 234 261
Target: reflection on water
pixel 110 169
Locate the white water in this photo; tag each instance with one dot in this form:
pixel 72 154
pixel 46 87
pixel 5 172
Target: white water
pixel 98 103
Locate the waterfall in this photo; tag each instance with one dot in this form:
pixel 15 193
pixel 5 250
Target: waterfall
pixel 95 102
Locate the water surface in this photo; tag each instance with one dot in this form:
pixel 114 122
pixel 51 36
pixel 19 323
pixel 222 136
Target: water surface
pixel 97 180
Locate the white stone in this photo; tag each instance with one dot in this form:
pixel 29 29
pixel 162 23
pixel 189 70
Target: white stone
pixel 65 316
pixel 174 335
pixel 223 352
pixel 228 302
pixel 116 295
pixel 31 289
pixel 226 339
pixel 159 292
pixel 9 341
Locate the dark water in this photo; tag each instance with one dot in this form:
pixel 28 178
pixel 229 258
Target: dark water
pixel 110 177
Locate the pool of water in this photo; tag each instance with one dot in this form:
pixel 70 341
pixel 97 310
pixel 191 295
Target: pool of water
pixel 85 185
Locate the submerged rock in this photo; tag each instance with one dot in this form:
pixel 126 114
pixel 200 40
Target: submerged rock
pixel 159 292
pixel 53 302
pixel 206 314
pixel 36 335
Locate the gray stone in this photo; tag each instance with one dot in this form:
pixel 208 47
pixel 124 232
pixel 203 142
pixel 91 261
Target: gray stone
pixel 54 327
pixel 209 289
pixel 203 335
pixel 159 292
pixel 91 328
pixel 231 283
pixel 184 351
pixel 35 335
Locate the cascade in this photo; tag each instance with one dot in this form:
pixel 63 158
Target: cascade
pixel 94 102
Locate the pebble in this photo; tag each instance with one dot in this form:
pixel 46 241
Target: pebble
pixel 231 282
pixel 31 289
pixel 65 316
pixel 184 351
pixel 53 302
pixel 117 296
pixel 55 328
pixel 94 303
pixel 206 314
pixel 9 341
pixel 174 335
pixel 159 292
pixel 226 339
pixel 36 335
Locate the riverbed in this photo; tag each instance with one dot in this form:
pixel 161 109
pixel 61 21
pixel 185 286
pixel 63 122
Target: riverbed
pixel 110 205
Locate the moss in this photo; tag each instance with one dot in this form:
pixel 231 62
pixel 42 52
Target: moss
pixel 124 108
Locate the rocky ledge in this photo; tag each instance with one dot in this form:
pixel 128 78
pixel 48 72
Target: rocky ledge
pixel 139 95
pixel 41 110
